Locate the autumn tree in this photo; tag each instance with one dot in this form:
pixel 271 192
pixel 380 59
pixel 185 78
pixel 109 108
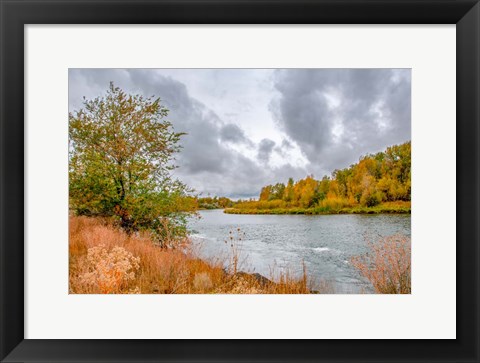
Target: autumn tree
pixel 121 151
pixel 277 191
pixel 288 192
pixel 265 193
pixel 308 192
pixel 323 188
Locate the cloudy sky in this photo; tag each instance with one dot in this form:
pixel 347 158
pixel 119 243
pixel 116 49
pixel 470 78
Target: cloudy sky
pixel 247 128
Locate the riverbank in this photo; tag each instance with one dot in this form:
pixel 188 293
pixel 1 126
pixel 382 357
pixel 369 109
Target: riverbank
pixel 383 208
pixel 105 260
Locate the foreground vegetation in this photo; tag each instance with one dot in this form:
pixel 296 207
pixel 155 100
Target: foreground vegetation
pixel 387 265
pixel 106 260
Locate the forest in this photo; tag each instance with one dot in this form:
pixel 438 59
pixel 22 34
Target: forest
pixel 378 183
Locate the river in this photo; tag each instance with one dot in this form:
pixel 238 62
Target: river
pixel 324 243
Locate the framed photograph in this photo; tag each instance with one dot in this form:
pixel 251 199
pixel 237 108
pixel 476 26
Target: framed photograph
pixel 240 181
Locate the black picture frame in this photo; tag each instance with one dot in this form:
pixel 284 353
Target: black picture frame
pixel 15 14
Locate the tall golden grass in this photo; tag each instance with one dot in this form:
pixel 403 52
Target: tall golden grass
pixel 105 260
pixel 387 265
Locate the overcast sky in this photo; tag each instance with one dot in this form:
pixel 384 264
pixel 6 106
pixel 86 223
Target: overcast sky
pixel 247 128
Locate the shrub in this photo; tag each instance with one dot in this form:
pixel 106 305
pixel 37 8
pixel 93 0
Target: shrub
pixel 387 265
pixel 202 282
pixel 371 198
pixel 109 270
pixel 333 204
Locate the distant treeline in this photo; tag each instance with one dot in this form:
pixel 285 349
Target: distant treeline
pixel 381 178
pixel 214 203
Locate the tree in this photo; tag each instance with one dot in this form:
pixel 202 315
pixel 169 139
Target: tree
pixel 121 151
pixel 277 191
pixel 288 192
pixel 265 193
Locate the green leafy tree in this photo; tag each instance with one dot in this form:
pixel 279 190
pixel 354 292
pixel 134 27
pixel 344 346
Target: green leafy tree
pixel 121 151
pixel 277 191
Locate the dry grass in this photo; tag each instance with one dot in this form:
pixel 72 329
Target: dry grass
pixel 104 259
pixel 387 265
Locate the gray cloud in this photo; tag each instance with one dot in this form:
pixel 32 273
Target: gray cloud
pixel 336 115
pixel 233 133
pixel 283 148
pixel 286 144
pixel 265 149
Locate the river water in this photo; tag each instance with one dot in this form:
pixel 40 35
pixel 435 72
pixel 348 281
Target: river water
pixel 273 243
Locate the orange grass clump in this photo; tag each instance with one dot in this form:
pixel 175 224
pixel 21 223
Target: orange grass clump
pixel 105 260
pixel 387 265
